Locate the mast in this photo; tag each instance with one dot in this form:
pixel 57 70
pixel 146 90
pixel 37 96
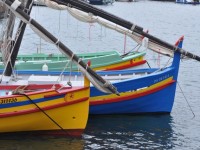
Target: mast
pixel 78 4
pixel 95 79
pixel 17 42
pixel 6 42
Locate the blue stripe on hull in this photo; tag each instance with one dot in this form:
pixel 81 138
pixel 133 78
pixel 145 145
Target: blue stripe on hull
pixel 28 102
pixel 158 102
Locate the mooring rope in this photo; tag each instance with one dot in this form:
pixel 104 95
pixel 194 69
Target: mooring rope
pixel 186 100
pixel 43 111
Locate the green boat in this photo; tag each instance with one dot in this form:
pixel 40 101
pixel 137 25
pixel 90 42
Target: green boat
pixel 111 60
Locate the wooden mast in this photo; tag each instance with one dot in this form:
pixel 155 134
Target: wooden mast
pixel 94 78
pixel 16 44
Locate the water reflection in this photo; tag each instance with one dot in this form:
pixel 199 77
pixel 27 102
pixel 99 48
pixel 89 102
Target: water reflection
pixel 127 132
pixel 168 21
pixel 26 142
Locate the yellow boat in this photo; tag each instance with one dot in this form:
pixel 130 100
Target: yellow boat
pixel 48 111
pixel 41 108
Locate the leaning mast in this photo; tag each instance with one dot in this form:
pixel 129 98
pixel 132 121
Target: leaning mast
pixel 95 79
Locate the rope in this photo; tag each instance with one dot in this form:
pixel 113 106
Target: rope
pixel 43 111
pixel 131 50
pixel 19 89
pixel 9 57
pixel 90 26
pixel 186 100
pixel 69 82
pixel 124 43
pixel 148 64
pixel 161 68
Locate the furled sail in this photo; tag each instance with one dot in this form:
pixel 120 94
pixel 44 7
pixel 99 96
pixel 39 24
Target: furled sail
pixel 91 18
pixel 134 31
pixel 95 79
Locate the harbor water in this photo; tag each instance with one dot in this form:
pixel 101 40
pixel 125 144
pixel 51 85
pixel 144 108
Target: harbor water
pixel 168 21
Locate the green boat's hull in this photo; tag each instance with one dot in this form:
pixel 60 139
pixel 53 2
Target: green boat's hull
pixel 99 61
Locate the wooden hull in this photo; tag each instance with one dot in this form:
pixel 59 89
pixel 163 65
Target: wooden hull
pixel 138 94
pixel 157 98
pixel 153 93
pixel 46 112
pixel 112 61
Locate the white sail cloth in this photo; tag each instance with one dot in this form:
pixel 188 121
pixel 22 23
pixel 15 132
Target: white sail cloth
pixel 90 18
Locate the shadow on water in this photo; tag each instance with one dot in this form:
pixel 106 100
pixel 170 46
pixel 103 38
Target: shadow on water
pixel 128 132
pixel 29 142
pixel 103 132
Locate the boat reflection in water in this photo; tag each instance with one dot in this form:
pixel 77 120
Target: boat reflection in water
pixel 104 132
pixel 128 131
pixel 29 142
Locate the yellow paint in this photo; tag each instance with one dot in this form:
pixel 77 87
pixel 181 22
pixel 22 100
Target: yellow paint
pixel 86 82
pixel 72 116
pixel 128 62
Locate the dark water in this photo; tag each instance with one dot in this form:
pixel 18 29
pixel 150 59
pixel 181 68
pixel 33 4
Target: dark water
pixel 166 20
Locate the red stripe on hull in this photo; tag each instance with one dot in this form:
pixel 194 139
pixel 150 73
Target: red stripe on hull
pixel 123 98
pixel 30 87
pixel 24 112
pixel 121 67
pixel 35 87
pixel 63 91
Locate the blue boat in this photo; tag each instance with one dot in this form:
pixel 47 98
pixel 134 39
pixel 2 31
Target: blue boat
pixel 153 93
pixel 188 1
pixel 101 2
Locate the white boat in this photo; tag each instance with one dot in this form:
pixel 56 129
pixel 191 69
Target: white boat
pixel 38 3
pixel 188 1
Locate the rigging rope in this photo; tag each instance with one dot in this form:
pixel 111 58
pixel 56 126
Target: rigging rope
pixel 91 18
pixel 124 43
pixel 8 61
pixel 69 81
pixel 96 80
pixel 43 111
pixel 186 100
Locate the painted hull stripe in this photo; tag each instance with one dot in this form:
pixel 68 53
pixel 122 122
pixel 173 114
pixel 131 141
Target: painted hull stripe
pixel 120 67
pixel 129 97
pixel 28 102
pixel 34 110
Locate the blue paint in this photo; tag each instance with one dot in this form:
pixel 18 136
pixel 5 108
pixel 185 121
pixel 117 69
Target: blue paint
pixel 157 102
